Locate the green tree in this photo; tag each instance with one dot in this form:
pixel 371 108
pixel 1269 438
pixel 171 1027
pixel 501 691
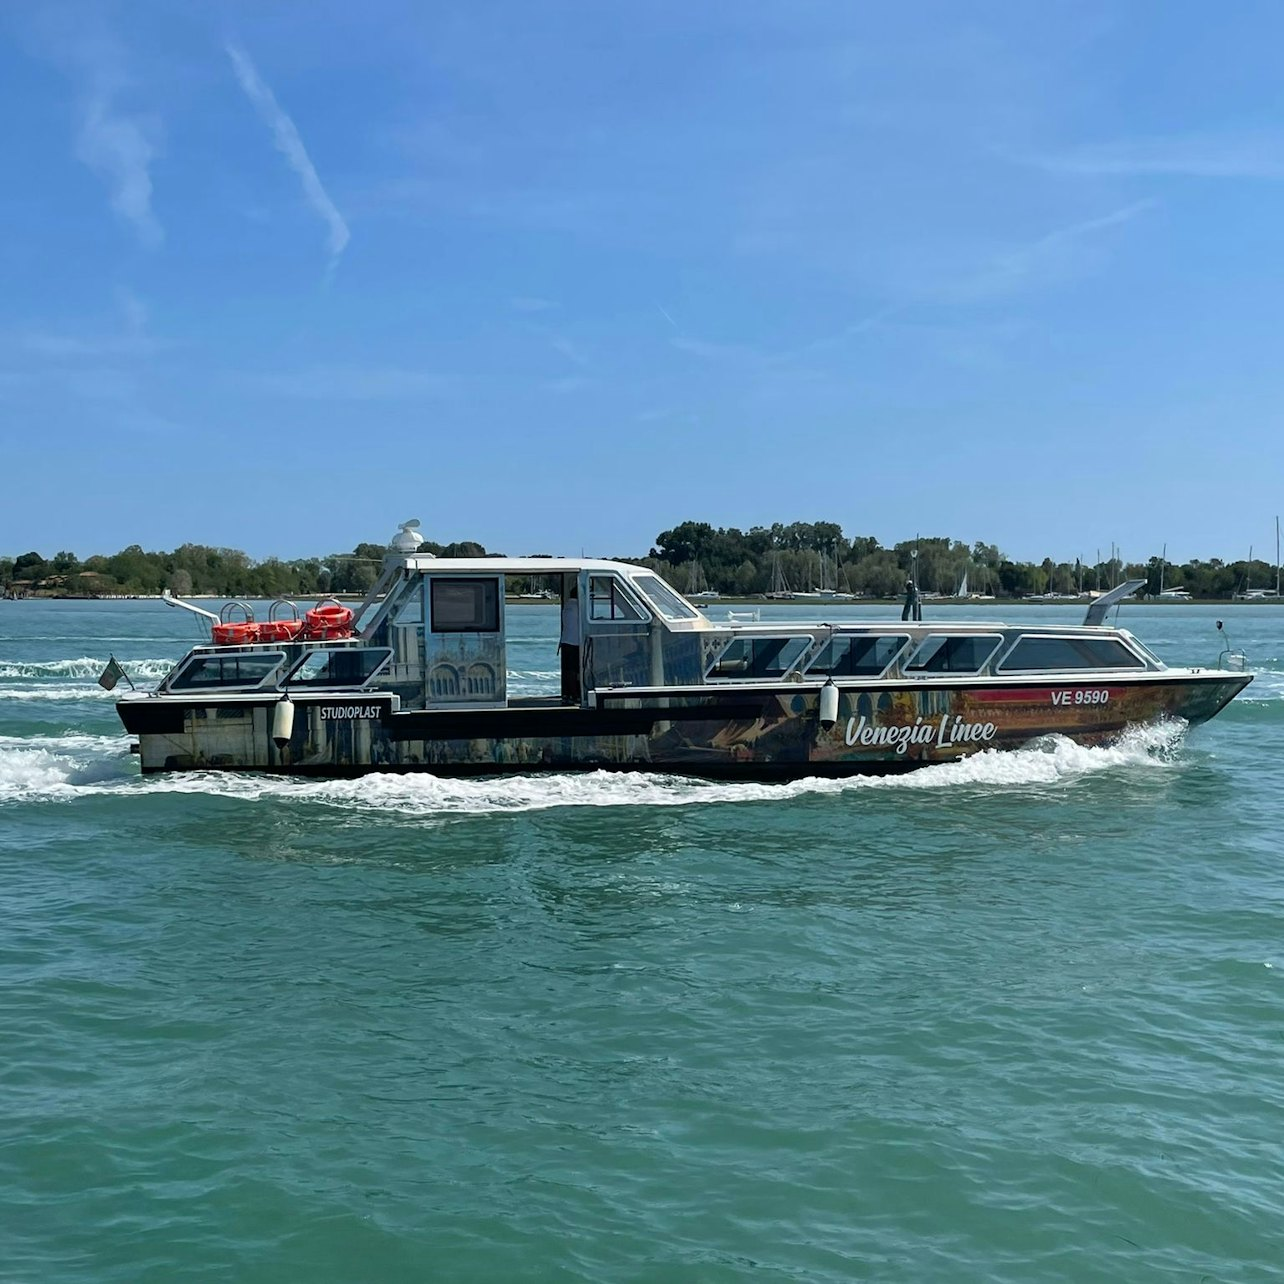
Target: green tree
pixel 29 566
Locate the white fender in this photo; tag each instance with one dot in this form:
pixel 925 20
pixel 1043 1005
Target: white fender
pixel 283 722
pixel 828 705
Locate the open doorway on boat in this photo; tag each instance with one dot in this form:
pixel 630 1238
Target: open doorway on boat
pixel 570 640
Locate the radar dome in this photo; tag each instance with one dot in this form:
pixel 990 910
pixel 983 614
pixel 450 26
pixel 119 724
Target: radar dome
pixel 407 539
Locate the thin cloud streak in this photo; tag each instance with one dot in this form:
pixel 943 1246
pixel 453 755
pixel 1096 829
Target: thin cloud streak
pixel 1051 258
pixel 117 145
pixel 569 350
pixel 677 329
pixel 128 339
pixel 1023 257
pixel 1250 156
pixel 290 145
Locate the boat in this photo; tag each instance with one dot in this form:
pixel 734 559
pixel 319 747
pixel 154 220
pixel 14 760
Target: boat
pixel 824 591
pixel 780 590
pixel 698 589
pixel 414 678
pixel 1260 596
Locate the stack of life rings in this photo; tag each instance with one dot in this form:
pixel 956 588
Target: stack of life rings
pixel 279 630
pixel 235 634
pixel 324 623
pixel 327 621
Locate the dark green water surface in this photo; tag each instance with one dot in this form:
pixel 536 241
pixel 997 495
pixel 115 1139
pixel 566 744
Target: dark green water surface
pixel 1019 1019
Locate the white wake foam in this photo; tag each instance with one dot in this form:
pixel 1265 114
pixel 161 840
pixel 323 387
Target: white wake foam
pixel 60 691
pixel 69 766
pixel 84 667
pixel 52 766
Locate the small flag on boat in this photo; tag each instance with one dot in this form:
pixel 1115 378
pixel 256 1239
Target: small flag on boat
pixel 112 674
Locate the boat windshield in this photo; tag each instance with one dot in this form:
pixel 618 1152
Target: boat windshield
pixel 664 599
pixel 341 667
pixel 238 669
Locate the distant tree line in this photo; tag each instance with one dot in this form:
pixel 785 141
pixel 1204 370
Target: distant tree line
pixel 694 556
pixel 199 569
pixel 805 556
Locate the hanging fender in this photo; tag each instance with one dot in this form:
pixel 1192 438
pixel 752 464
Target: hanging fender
pixel 282 722
pixel 828 705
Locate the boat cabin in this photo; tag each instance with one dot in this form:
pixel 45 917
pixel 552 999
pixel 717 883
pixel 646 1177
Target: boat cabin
pixel 443 625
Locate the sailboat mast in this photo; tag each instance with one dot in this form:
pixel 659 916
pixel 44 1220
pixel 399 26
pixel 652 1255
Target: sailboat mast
pixel 1277 557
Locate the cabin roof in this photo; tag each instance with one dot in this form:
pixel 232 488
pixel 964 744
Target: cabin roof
pixel 427 564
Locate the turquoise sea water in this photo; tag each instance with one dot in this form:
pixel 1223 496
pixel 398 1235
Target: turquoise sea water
pixel 1017 1019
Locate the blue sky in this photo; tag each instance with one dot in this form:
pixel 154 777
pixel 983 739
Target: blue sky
pixel 557 276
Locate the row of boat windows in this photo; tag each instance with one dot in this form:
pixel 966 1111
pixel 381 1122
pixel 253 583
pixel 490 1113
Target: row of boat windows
pixel 346 667
pixel 869 655
pixel 745 659
pixel 458 605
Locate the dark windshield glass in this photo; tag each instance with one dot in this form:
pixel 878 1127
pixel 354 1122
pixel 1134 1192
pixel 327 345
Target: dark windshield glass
pixel 241 669
pixel 953 654
pixel 759 657
pixel 664 599
pixel 342 667
pixel 1037 653
pixel 857 657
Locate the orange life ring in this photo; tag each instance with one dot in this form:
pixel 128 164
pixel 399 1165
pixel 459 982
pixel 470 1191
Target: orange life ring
pixel 324 622
pixel 280 630
pixel 234 634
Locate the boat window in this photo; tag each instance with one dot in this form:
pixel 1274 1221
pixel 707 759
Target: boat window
pixel 664 599
pixel 465 606
pixel 759 657
pixel 1037 653
pixel 240 669
pixel 610 600
pixel 953 653
pixel 1142 649
pixel 860 656
pixel 342 667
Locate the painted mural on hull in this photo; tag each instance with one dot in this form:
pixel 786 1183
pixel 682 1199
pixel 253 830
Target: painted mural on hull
pixel 723 732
